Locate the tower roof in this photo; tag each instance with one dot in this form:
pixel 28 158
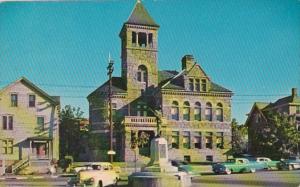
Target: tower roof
pixel 140 16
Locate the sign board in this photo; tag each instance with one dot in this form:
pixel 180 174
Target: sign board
pixel 111 152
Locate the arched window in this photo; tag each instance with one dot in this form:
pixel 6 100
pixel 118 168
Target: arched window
pixel 197 111
pixel 175 110
pixel 219 112
pixel 142 75
pixel 186 111
pixel 208 112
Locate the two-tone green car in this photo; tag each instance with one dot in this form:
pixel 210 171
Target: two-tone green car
pixel 236 165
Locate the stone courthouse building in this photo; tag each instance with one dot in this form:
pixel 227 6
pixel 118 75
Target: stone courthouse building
pixel 196 112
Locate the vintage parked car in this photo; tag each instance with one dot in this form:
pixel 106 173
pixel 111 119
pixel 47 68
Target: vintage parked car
pixel 185 167
pixel 236 165
pixel 96 175
pixel 270 164
pixel 292 163
pixel 90 165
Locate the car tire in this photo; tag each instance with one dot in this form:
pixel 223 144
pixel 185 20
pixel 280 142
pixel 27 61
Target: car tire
pixel 228 172
pixel 252 170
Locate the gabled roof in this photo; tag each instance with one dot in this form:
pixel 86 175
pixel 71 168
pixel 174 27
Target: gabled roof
pixel 52 99
pixel 287 100
pixel 140 16
pixel 118 86
pixel 171 80
pixel 259 106
pixel 174 80
pixel 217 88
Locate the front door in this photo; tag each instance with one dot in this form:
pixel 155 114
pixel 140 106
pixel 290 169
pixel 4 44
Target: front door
pixel 40 150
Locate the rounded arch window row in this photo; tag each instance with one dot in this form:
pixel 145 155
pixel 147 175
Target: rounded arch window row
pixel 186 111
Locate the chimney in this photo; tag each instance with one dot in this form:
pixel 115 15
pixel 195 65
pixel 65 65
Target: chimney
pixel 187 62
pixel 294 92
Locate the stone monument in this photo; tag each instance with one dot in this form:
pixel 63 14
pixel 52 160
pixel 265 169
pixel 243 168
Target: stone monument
pixel 159 172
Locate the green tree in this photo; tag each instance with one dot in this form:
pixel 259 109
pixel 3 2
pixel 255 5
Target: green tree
pixel 279 138
pixel 239 138
pixel 69 132
pixel 139 141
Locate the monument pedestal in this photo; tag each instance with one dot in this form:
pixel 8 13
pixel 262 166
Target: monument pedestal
pixel 159 172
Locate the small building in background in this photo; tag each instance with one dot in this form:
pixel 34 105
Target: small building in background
pixel 257 119
pixel 29 126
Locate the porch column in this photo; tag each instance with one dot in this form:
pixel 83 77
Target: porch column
pixel 51 149
pixel 30 149
pixel 48 149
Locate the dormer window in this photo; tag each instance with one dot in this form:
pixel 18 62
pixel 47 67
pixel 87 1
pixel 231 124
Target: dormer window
pixel 197 85
pixel 142 39
pixel 203 85
pixel 191 84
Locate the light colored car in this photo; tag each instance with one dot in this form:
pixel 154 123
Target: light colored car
pixel 270 164
pixel 90 165
pixel 77 169
pixel 99 176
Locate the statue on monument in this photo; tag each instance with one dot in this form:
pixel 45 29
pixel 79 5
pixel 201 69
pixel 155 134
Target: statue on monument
pixel 158 115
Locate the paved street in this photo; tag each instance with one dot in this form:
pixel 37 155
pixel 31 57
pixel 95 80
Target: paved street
pixel 265 178
pixel 47 182
pixel 259 179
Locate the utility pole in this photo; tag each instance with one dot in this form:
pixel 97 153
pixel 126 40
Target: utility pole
pixel 110 69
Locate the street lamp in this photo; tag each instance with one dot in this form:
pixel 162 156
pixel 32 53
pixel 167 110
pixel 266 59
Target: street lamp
pixel 110 69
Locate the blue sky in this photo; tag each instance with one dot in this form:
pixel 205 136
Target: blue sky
pixel 251 47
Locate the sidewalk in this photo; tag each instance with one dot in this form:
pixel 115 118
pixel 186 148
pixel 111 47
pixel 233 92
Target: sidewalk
pixel 26 177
